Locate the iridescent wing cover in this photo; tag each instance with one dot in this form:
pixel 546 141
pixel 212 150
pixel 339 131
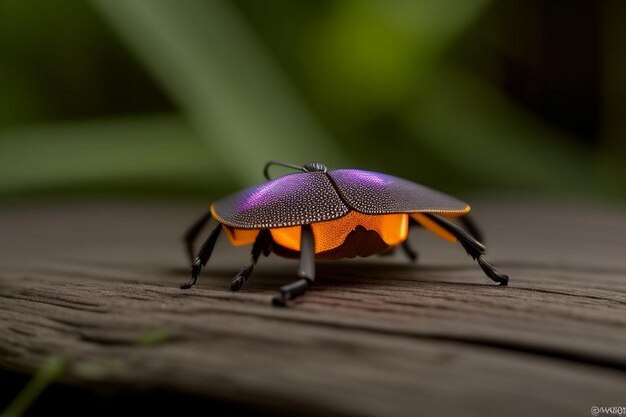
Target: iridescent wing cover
pixel 375 193
pixel 289 200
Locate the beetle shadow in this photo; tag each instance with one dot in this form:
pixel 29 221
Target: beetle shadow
pixel 329 273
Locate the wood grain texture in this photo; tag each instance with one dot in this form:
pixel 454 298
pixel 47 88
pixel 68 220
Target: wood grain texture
pixel 374 337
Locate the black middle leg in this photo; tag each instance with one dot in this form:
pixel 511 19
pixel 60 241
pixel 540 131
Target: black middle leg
pixel 473 248
pixel 192 233
pixel 409 251
pixel 406 246
pixel 262 244
pixel 203 257
pixel 306 270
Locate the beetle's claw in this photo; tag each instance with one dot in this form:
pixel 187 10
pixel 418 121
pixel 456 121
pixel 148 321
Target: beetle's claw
pixel 187 285
pixel 279 301
pixel 242 277
pixel 492 272
pixel 196 267
pixel 236 283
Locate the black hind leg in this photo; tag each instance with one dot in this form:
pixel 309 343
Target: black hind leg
pixel 306 270
pixel 261 245
pixel 406 246
pixel 473 248
pixel 192 233
pixel 203 256
pixel 409 251
pixel 471 227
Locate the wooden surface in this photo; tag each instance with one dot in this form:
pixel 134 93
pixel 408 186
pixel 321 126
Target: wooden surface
pixel 375 337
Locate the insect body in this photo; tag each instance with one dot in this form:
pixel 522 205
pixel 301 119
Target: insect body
pixel 321 214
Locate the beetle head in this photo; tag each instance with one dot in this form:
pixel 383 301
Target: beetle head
pixel 314 167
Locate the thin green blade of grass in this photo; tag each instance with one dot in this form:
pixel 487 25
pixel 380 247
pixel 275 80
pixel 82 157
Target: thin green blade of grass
pixel 209 61
pixel 150 151
pixel 154 337
pixel 49 371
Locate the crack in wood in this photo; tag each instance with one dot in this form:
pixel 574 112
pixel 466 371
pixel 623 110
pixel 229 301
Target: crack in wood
pixel 371 338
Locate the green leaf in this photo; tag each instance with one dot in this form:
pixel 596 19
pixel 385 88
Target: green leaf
pixel 224 81
pixel 158 151
pixel 367 57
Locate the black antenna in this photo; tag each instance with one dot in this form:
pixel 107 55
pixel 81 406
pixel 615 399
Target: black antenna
pixel 266 170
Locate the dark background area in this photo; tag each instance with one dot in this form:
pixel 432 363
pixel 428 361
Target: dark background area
pixel 72 400
pixel 108 99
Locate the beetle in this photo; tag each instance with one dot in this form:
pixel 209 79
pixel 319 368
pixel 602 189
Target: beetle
pixel 320 214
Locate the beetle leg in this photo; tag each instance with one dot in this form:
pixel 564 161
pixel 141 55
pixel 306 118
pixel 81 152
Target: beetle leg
pixel 473 248
pixel 203 256
pixel 192 233
pixel 306 270
pixel 260 245
pixel 409 251
pixel 267 250
pixel 471 227
pixel 406 246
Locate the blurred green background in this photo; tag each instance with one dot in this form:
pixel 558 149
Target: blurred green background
pixel 117 98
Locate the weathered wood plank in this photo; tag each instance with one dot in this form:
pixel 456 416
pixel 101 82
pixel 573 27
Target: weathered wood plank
pixel 373 337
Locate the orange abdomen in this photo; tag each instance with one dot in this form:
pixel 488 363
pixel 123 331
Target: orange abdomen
pixel 391 230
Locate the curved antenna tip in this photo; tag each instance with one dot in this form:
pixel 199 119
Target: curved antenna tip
pixel 266 170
